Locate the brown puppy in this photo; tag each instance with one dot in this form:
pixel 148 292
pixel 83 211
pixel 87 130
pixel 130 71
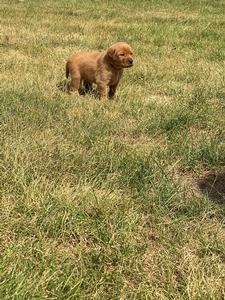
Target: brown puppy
pixel 103 68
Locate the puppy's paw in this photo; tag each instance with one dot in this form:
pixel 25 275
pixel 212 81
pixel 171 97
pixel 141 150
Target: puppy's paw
pixel 74 93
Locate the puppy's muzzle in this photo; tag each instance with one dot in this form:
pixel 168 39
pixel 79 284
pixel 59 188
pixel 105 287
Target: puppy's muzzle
pixel 130 62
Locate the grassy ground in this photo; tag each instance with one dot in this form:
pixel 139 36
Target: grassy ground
pixel 123 199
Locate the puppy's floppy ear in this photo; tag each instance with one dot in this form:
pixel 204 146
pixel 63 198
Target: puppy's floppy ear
pixel 111 52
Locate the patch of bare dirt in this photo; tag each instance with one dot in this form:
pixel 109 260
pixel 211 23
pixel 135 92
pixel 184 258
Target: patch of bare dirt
pixel 213 185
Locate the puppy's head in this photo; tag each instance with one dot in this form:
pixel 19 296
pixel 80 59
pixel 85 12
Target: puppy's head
pixel 120 55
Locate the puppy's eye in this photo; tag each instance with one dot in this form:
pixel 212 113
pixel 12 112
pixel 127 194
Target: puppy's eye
pixel 131 53
pixel 121 54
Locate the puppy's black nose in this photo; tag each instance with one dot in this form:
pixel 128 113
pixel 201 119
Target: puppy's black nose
pixel 130 61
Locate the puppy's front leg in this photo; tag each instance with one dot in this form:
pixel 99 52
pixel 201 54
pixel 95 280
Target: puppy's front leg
pixel 112 90
pixel 102 89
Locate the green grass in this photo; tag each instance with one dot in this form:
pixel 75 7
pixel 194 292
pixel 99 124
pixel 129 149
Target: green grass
pixel 123 199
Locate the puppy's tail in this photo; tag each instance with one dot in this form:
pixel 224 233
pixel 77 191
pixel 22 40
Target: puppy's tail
pixel 67 70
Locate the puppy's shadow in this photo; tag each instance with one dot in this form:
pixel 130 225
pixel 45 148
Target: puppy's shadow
pixel 64 86
pixel 214 186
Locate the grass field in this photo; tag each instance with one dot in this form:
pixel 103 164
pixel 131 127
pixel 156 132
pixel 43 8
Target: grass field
pixel 123 199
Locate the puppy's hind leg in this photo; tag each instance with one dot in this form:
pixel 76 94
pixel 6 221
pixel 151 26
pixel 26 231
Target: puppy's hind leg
pixel 75 83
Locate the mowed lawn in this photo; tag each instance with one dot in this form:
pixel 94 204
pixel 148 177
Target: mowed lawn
pixel 123 199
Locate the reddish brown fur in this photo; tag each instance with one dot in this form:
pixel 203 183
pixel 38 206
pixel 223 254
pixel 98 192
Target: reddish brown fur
pixel 103 68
